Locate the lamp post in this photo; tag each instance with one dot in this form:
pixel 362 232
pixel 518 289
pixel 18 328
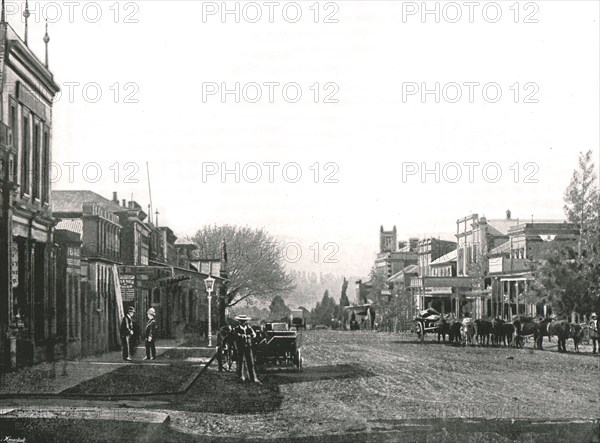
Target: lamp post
pixel 210 286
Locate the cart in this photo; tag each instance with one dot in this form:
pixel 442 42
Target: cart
pixel 427 322
pixel 276 345
pixel 297 319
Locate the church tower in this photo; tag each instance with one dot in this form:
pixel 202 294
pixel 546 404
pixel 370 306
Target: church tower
pixel 388 240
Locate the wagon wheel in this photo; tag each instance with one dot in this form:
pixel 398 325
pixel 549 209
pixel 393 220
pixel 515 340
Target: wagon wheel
pixel 228 358
pixel 420 331
pixel 298 360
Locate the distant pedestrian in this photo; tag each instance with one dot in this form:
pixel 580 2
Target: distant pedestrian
pixel 244 336
pixel 126 332
pixel 151 335
pixel 594 331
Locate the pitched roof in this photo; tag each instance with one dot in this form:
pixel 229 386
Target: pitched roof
pixel 501 226
pixel 501 249
pixel 72 202
pixel 398 276
pixel 73 225
pixel 447 258
pixel 184 242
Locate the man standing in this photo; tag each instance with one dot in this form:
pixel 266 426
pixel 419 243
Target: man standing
pixel 244 335
pixel 594 331
pixel 151 335
pixel 127 333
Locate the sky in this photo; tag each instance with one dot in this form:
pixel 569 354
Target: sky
pixel 142 82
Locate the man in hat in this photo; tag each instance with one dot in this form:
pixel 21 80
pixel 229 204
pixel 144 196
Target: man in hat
pixel 244 335
pixel 127 333
pixel 594 330
pixel 150 335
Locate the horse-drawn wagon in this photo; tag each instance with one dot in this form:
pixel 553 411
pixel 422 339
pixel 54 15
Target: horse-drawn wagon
pixel 276 345
pixel 427 321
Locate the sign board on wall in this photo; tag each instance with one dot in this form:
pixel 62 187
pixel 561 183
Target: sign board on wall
pixel 14 265
pixel 127 283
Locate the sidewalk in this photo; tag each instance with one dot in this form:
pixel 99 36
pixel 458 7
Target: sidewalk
pixel 54 378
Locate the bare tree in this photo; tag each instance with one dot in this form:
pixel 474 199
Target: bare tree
pixel 255 263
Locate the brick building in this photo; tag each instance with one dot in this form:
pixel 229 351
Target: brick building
pixel 511 264
pixel 27 254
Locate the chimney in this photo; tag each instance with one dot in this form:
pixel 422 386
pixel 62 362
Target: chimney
pixel 124 203
pixel 508 214
pixel 115 198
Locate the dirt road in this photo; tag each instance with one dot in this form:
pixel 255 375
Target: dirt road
pixel 372 383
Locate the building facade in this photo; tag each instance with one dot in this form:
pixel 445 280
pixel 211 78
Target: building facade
pixel 27 276
pixel 512 265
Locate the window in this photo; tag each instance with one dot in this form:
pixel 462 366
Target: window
pixel 25 157
pixel 14 126
pixel 35 164
pixel 46 169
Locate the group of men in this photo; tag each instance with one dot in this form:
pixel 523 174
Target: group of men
pixel 127 334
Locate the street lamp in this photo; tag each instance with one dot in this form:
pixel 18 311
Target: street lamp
pixel 210 286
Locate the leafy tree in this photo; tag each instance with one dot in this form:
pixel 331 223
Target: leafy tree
pixel 344 301
pixel 568 280
pixel 256 268
pixel 278 308
pixel 582 208
pixel 559 284
pixel 325 310
pixel 378 282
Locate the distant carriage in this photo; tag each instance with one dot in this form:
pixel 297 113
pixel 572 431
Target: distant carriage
pixel 297 319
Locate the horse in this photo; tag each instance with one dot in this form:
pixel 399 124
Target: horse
pixel 467 331
pixel 502 332
pixel 526 326
pixel 483 330
pixel 561 329
pixel 543 325
pixel 576 332
pixel 442 328
pixel 454 332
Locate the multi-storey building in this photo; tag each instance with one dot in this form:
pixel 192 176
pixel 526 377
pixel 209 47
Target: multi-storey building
pixel 27 255
pixel 512 264
pixel 93 217
pixel 429 250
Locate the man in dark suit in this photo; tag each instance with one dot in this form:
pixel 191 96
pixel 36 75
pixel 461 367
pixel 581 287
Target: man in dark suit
pixel 594 331
pixel 244 335
pixel 126 331
pixel 151 335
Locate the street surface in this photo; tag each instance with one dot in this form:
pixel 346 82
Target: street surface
pixel 386 387
pixel 370 382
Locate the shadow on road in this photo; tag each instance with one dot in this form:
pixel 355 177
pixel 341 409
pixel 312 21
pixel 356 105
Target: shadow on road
pixel 446 430
pixel 317 373
pixel 223 393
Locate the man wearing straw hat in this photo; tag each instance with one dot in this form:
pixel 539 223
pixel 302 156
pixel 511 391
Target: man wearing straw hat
pixel 244 335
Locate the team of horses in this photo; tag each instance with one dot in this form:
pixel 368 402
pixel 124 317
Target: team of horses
pixel 510 333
